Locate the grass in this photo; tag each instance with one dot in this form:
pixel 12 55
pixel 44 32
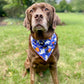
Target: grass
pixel 14 42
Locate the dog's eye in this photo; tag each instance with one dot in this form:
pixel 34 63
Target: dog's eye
pixel 46 9
pixel 31 11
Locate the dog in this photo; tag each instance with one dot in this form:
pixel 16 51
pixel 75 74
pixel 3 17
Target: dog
pixel 43 52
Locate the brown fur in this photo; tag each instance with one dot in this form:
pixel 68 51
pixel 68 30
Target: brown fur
pixel 34 61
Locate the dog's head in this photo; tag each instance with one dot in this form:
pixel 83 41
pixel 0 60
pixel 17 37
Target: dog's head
pixel 40 16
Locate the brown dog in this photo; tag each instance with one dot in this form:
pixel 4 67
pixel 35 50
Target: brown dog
pixel 41 21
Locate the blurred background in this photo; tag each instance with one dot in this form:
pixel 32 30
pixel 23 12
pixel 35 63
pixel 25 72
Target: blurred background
pixel 16 8
pixel 14 42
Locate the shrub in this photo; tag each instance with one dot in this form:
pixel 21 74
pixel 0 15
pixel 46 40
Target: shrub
pixel 63 6
pixel 2 12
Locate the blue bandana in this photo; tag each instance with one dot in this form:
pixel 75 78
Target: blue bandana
pixel 44 47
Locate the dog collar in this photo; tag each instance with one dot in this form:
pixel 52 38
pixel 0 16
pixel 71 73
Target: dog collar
pixel 44 48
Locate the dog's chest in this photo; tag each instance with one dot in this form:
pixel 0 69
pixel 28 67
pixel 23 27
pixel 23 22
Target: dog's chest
pixel 39 64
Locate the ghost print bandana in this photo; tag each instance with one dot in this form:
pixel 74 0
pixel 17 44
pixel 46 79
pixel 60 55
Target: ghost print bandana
pixel 44 47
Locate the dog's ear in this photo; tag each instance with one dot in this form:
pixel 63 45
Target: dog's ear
pixel 26 22
pixel 54 19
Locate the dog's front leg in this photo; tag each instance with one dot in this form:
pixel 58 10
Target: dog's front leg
pixel 32 74
pixel 53 71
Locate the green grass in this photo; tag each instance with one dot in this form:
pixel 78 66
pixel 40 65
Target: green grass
pixel 14 42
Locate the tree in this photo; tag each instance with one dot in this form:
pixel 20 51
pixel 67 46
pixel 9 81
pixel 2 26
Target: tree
pixel 63 6
pixel 28 2
pixel 78 5
pixel 2 12
pixel 15 8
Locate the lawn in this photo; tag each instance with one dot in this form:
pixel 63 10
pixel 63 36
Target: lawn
pixel 14 42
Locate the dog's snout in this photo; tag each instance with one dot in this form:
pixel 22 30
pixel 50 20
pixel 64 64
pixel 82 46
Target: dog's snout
pixel 41 16
pixel 38 16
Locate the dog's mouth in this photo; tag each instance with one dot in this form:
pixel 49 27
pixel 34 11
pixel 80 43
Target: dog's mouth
pixel 39 27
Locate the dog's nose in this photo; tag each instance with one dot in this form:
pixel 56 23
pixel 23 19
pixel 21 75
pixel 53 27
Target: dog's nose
pixel 38 16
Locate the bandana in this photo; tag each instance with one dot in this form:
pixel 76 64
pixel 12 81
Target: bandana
pixel 44 48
